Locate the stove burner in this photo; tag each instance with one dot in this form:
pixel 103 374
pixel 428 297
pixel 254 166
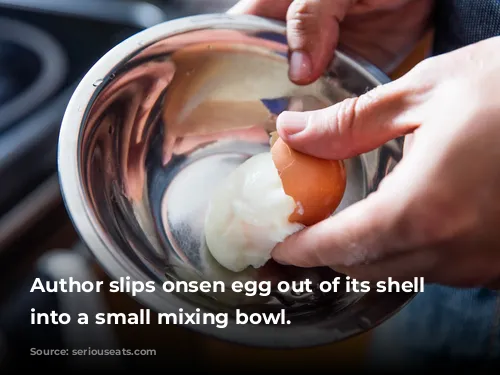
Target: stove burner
pixel 32 68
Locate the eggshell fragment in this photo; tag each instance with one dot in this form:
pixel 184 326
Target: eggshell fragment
pixel 317 185
pixel 273 137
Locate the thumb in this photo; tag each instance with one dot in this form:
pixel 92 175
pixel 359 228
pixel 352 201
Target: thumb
pixel 355 125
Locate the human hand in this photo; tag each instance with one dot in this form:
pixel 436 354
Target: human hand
pixel 437 214
pixel 381 31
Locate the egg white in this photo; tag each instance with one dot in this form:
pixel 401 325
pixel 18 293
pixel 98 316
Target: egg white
pixel 247 215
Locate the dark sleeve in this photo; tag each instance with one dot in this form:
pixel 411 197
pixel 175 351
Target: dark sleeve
pixel 462 22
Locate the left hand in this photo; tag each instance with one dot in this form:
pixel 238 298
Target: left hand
pixel 381 31
pixel 437 214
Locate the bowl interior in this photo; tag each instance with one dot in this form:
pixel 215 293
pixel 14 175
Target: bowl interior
pixel 166 125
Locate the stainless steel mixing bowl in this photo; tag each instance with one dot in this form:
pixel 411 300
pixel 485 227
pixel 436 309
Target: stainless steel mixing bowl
pixel 158 122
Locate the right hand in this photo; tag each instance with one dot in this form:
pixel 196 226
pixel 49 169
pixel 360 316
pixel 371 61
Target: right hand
pixel 437 213
pixel 381 31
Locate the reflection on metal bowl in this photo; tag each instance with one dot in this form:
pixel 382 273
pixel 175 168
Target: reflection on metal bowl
pixel 154 127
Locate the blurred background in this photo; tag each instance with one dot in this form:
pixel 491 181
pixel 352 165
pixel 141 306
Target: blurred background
pixel 46 46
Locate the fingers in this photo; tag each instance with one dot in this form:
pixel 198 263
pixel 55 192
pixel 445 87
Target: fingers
pixel 313 32
pixel 275 9
pixel 355 125
pixel 361 233
pixel 375 227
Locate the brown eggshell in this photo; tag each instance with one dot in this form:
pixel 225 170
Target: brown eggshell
pixel 317 185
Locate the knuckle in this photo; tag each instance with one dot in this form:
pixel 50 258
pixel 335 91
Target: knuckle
pixel 341 123
pixel 373 95
pixel 423 67
pixel 345 116
pixel 302 22
pixel 426 72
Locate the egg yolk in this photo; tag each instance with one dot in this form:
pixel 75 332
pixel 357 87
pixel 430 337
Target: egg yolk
pixel 317 185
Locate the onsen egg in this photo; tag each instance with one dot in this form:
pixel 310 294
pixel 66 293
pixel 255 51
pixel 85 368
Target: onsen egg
pixel 266 199
pixel 316 185
pixel 248 215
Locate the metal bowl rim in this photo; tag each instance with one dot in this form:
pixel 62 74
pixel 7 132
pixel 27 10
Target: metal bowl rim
pixel 85 222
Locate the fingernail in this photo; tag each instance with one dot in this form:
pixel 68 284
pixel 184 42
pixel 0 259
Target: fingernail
pixel 300 66
pixel 292 122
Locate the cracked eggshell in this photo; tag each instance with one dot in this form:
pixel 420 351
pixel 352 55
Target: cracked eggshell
pixel 317 185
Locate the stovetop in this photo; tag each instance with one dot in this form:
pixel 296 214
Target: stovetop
pixel 45 49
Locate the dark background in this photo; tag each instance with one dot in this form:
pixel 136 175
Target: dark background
pixel 35 231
